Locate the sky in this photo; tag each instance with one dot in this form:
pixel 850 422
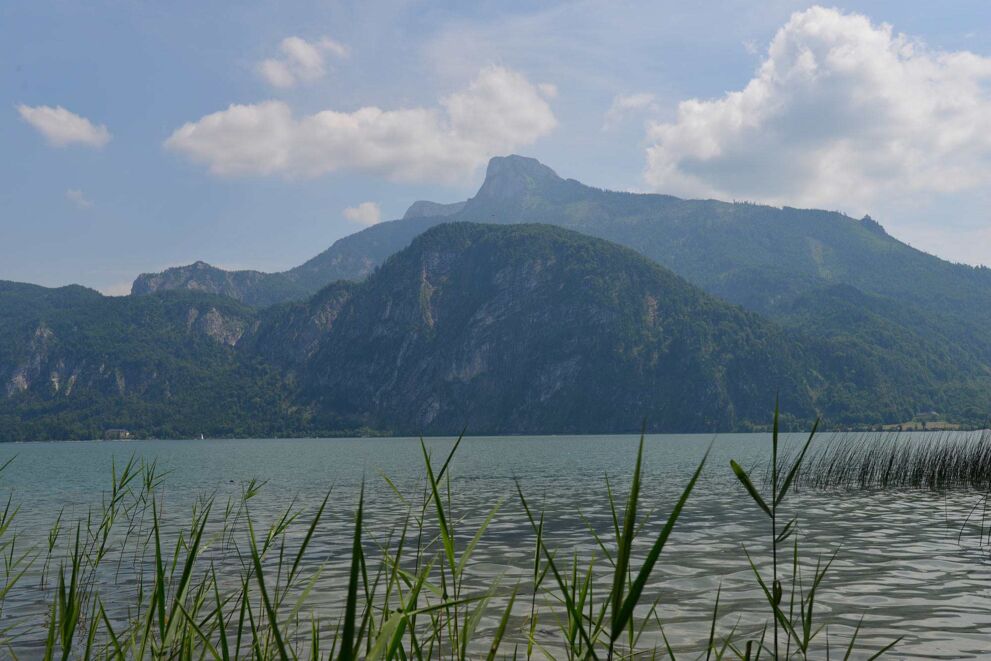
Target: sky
pixel 135 136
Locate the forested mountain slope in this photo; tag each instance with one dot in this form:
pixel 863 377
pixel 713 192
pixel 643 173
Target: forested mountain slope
pixel 503 328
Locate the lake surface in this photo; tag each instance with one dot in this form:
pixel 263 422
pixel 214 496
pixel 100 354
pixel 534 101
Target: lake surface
pixel 902 564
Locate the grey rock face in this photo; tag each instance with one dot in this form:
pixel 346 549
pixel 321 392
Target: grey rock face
pixel 511 177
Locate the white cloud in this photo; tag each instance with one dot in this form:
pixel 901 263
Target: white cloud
pixel 366 213
pixel 276 73
pixel 336 48
pixel 499 111
pixel 78 198
pixel 301 61
pixel 61 127
pixel 624 105
pixel 841 112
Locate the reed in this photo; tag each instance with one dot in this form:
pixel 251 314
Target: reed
pixel 790 599
pixel 935 461
pixel 223 585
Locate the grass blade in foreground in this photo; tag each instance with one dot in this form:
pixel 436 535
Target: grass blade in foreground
pixel 351 607
pixel 415 617
pixel 636 589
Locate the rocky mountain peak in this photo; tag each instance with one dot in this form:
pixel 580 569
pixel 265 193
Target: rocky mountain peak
pixel 513 176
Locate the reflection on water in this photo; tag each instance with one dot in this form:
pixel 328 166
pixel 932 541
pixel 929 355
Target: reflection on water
pixel 900 565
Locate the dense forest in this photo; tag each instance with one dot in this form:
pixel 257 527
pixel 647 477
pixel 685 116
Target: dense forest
pixel 819 273
pixel 501 328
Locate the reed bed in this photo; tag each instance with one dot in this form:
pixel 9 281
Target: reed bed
pixel 935 461
pixel 223 586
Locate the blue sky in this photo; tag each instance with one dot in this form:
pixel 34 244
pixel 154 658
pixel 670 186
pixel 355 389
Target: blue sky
pixel 346 112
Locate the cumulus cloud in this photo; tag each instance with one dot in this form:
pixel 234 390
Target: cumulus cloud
pixel 366 213
pixel 300 61
pixel 499 111
pixel 62 128
pixel 78 198
pixel 840 112
pixel 624 105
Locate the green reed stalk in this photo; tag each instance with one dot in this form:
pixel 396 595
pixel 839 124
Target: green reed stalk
pixel 216 590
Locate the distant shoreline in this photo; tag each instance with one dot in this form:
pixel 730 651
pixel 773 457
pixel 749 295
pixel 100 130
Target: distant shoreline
pixel 889 429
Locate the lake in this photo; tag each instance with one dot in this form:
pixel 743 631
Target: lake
pixel 903 564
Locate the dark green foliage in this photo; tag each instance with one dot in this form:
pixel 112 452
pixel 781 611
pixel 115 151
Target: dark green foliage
pixel 904 326
pixel 74 363
pixel 531 328
pixel 250 287
pixel 899 320
pixel 876 341
pixel 506 328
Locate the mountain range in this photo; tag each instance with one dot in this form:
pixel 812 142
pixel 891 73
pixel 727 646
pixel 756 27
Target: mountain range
pixel 540 305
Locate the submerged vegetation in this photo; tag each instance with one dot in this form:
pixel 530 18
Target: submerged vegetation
pixel 128 581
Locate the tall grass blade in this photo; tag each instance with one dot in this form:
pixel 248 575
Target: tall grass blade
pixel 636 589
pixel 744 479
pixel 446 538
pixel 501 629
pixel 269 609
pixel 795 467
pixel 625 541
pixel 561 582
pixel 351 606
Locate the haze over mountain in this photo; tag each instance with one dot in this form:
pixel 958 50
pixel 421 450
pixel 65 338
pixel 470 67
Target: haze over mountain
pixel 763 258
pixel 516 326
pixel 507 329
pixel 755 255
pixel 350 258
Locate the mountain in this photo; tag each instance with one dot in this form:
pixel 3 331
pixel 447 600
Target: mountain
pixel 350 258
pixel 757 256
pixel 503 328
pixel 868 308
pixel 531 329
pixel 253 288
pixel 818 273
pixel 768 259
pixel 74 363
pixel 357 255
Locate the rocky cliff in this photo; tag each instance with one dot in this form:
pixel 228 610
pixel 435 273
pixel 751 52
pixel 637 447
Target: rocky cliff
pixel 73 363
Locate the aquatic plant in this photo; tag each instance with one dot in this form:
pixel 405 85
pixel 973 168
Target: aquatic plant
pixel 793 619
pixel 934 461
pixel 223 585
